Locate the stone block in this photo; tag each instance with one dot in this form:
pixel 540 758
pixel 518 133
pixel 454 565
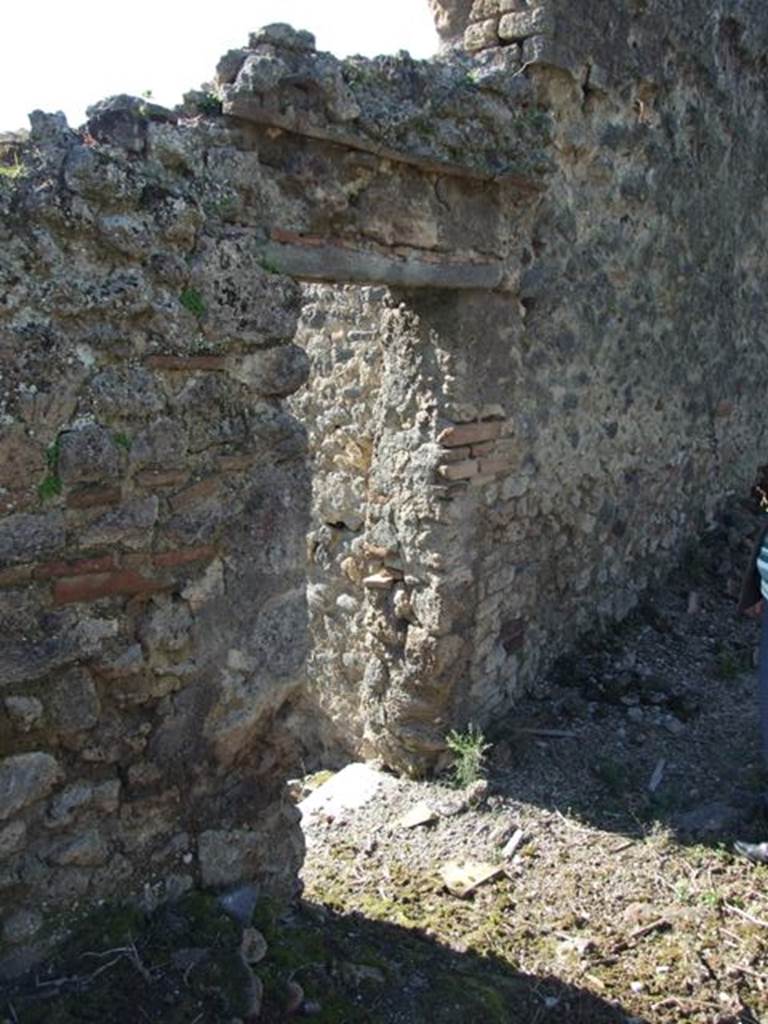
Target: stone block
pixel 542 49
pixel 125 393
pixel 27 538
pixel 284 37
pixel 65 805
pixel 21 926
pixel 482 35
pixel 22 461
pixel 87 850
pixel 87 455
pixel 243 303
pixel 106 796
pixel 165 626
pixel 129 526
pixel 12 838
pixel 277 371
pixel 161 444
pixel 26 713
pixel 72 702
pixel 25 779
pixel 229 857
pixel 483 10
pixel 519 25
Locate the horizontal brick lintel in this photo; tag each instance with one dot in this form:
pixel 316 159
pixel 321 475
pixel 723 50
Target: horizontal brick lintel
pixel 335 263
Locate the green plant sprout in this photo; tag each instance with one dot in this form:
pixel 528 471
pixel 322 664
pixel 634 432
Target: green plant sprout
pixel 469 749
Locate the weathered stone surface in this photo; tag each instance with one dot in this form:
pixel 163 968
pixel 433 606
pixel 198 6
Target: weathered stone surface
pixel 24 538
pixel 22 926
pixel 86 850
pixel 275 371
pixel 519 25
pixel 482 35
pixel 228 857
pixel 165 627
pixel 25 712
pixel 25 779
pixel 66 804
pixel 87 455
pixel 72 702
pixel 123 394
pixel 12 838
pixel 129 526
pixel 506 449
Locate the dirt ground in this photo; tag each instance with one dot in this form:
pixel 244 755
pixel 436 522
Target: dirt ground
pixel 622 790
pixel 629 783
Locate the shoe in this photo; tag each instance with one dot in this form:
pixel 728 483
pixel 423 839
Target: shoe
pixel 756 852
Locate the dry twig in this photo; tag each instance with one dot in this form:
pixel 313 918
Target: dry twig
pixel 747 917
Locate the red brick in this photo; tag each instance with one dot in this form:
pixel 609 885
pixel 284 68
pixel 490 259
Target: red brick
pixel 469 433
pixel 195 494
pixel 168 559
pixel 83 567
pixel 161 478
pixel 93 497
pixel 188 363
pixel 97 585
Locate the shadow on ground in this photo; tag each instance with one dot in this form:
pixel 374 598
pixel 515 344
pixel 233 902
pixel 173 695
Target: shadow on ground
pixel 653 723
pixel 350 970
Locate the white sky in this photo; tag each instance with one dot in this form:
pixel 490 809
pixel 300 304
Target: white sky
pixel 67 54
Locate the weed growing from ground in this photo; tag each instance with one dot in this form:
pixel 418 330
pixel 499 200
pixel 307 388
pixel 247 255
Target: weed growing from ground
pixel 469 749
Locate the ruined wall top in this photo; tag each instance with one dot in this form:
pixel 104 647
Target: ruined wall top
pixel 603 44
pixel 445 116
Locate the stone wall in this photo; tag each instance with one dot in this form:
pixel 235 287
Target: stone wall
pixel 546 450
pixel 154 488
pixel 535 328
pixel 154 498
